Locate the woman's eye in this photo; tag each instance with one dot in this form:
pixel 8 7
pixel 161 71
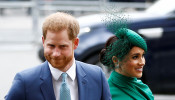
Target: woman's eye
pixel 143 55
pixel 135 57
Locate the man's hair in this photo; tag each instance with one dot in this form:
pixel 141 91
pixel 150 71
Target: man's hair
pixel 59 21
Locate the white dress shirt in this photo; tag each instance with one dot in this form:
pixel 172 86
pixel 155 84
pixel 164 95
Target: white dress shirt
pixel 71 80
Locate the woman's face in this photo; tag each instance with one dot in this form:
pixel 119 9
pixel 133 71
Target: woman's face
pixel 132 64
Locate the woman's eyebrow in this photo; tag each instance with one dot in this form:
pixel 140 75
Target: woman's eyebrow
pixel 135 54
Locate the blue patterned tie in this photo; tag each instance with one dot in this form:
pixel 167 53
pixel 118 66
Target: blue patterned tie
pixel 64 89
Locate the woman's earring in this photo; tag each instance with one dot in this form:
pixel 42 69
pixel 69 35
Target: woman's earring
pixel 117 65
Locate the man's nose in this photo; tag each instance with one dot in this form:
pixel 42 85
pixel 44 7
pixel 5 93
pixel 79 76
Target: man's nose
pixel 56 52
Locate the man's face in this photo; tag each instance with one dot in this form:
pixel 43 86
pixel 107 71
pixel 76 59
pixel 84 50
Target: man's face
pixel 59 50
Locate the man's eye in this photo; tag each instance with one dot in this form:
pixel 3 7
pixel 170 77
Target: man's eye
pixel 51 46
pixel 63 46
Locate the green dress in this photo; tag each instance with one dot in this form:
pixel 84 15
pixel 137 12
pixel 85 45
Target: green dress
pixel 127 88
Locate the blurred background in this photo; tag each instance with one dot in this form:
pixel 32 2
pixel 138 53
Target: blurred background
pixel 21 31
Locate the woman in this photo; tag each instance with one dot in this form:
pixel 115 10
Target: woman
pixel 124 52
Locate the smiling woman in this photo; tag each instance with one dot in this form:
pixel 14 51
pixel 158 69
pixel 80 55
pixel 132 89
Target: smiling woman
pixel 124 52
pixel 132 64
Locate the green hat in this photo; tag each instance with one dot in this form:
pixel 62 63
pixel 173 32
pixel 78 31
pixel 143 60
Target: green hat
pixel 126 40
pixel 117 22
pixel 133 37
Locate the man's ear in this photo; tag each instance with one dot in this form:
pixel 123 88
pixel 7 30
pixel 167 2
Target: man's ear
pixel 76 42
pixel 43 40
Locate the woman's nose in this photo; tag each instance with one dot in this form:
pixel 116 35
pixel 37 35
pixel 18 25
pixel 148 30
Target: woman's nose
pixel 142 61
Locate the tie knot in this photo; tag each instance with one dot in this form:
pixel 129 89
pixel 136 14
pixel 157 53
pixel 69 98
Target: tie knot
pixel 64 76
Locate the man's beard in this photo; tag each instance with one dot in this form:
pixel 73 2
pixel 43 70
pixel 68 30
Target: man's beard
pixel 59 62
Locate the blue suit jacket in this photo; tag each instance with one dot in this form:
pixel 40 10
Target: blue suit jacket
pixel 36 84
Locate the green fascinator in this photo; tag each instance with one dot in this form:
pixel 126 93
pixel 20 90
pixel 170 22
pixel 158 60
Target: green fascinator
pixel 120 48
pixel 134 38
pixel 118 23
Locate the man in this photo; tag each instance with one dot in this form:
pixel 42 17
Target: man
pixel 44 82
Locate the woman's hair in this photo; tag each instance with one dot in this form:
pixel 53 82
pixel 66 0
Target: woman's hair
pixel 59 21
pixel 102 54
pixel 120 45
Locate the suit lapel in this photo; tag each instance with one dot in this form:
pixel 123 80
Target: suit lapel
pixel 82 82
pixel 46 83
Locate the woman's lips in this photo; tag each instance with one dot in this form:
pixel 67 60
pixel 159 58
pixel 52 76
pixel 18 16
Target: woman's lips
pixel 139 69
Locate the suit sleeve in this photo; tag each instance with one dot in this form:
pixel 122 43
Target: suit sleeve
pixel 16 91
pixel 105 88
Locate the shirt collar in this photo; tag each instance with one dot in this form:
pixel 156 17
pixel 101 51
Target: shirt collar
pixel 56 73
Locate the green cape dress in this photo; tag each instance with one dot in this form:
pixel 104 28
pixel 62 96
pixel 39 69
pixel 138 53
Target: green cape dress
pixel 127 88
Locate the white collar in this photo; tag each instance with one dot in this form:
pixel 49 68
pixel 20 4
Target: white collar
pixel 56 73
